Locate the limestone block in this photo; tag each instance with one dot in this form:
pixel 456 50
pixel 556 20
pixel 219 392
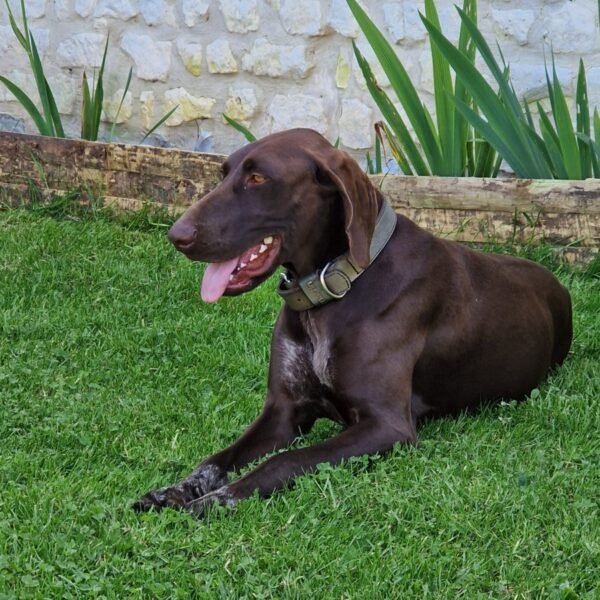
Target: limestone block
pixel 240 16
pixel 152 59
pixel 22 79
pixel 356 124
pixel 81 50
pixel 110 107
pixel 157 12
pixel 514 23
pixel 278 61
pixel 102 24
pixel 10 45
pixel 342 20
pixel 393 14
pixel 116 9
pixel 195 11
pixel 220 58
pixel 62 9
pixel 414 30
pixel 189 108
pixel 11 124
pixel 66 92
pixel 191 57
pixel 342 72
pixel 147 109
pixel 42 40
pixel 302 17
pixel 242 104
pixel 36 9
pixel 84 8
pixel 529 80
pixel 571 27
pixel 450 20
pixel 298 110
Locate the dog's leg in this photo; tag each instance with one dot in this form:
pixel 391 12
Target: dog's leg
pixel 367 437
pixel 277 426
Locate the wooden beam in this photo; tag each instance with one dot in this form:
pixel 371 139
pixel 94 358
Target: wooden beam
pixel 465 209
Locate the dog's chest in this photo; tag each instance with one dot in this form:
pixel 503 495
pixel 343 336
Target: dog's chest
pixel 310 362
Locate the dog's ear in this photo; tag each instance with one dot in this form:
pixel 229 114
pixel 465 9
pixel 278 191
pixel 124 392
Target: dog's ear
pixel 359 199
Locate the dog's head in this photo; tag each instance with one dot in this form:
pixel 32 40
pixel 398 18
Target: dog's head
pixel 290 198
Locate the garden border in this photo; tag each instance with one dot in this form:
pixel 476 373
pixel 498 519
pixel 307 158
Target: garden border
pixel 559 212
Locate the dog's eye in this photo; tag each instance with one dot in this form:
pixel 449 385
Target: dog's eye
pixel 256 179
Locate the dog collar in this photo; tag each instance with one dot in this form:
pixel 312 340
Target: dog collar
pixel 334 280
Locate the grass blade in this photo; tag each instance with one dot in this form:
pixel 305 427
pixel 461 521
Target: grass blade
pixel 378 164
pixel 22 36
pixel 564 128
pixel 370 164
pixel 54 112
pixel 552 143
pixel 392 116
pixel 595 151
pixel 464 159
pixel 125 90
pixel 239 127
pixel 159 123
pixel 28 105
pixel 583 122
pixel 86 102
pixel 442 89
pixel 41 83
pixel 396 149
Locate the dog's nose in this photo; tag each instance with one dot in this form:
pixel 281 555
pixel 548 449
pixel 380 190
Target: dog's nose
pixel 182 234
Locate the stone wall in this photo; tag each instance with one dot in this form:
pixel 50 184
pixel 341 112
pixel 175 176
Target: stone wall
pixel 271 64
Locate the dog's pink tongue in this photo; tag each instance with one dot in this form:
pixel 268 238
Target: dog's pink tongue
pixel 216 279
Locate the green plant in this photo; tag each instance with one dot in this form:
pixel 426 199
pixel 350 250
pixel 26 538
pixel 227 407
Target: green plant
pixel 48 122
pixel 447 146
pixel 91 107
pixel 561 151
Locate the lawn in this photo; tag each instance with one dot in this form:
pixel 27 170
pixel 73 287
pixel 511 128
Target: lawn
pixel 115 378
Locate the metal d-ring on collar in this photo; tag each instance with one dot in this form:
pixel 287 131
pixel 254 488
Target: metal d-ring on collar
pixel 324 284
pixel 334 281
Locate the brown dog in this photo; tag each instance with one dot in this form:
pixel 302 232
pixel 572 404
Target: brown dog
pixel 384 323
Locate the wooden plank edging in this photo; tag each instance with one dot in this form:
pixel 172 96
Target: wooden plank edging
pixel 465 209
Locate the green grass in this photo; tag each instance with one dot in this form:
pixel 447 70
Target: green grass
pixel 114 379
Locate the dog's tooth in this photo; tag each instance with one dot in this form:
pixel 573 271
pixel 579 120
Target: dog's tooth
pixel 242 265
pixel 262 248
pixel 268 240
pixel 253 257
pixel 231 278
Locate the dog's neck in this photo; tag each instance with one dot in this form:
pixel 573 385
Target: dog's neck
pixel 333 278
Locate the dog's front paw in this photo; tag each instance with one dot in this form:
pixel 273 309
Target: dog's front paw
pixel 202 481
pixel 174 497
pixel 223 497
